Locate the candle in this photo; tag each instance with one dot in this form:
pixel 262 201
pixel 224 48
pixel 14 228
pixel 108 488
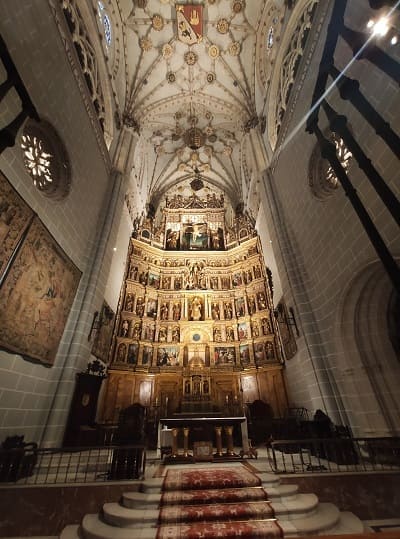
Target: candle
pixel 227 399
pixel 166 401
pixel 156 401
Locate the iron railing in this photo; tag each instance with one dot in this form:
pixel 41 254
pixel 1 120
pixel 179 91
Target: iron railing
pixel 72 465
pixel 335 455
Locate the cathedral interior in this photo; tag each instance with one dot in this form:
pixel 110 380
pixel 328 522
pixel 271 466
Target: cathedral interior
pixel 199 210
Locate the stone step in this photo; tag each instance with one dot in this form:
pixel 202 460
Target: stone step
pixel 348 523
pixel 137 500
pixel 94 528
pixel 123 516
pixel 70 532
pixel 301 506
pixel 152 486
pixel 325 518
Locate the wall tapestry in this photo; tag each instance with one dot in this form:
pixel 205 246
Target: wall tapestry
pixel 102 340
pixel 36 296
pixel 15 217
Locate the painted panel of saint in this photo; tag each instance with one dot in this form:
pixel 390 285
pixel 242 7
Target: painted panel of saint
pixel 224 355
pixel 133 350
pixel 154 280
pixel 152 307
pixel 168 356
pixel 147 355
pixel 243 331
pixel 259 354
pixel 244 354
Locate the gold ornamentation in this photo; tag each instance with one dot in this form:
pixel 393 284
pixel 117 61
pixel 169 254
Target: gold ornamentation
pixel 190 58
pixel 157 22
pixel 146 44
pixel 171 77
pixel 234 49
pixel 213 51
pixel 223 26
pixel 237 6
pixel 228 150
pixel 167 51
pixel 210 77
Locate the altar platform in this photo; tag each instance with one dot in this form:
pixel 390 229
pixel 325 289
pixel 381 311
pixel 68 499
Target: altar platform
pixel 184 438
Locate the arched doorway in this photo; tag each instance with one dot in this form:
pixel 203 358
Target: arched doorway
pixel 368 367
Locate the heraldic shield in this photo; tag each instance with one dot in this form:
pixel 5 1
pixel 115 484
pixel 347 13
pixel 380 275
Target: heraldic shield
pixel 190 23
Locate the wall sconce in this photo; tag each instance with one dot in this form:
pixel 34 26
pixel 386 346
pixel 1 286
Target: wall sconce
pixel 95 324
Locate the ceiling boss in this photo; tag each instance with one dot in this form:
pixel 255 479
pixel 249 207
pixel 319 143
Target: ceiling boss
pixel 190 23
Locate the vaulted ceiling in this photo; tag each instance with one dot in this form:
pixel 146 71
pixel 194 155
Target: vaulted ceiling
pixel 191 89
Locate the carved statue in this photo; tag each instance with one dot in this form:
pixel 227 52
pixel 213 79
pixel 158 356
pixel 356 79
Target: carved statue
pixel 196 309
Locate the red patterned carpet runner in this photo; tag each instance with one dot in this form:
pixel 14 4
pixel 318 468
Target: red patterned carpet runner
pixel 210 478
pixel 215 502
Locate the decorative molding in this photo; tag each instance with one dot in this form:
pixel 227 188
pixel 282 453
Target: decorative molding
pixel 73 60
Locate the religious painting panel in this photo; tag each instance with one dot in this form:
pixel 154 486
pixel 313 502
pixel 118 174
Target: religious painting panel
pixel 237 279
pixel 120 353
pixel 102 340
pixel 36 296
pixel 173 240
pixel 259 353
pixel 224 355
pixel 153 280
pixel 133 352
pixel 147 355
pixel 240 308
pixel 266 326
pixel 243 331
pixel 168 356
pixel 261 300
pixel 270 350
pixel 151 307
pixel 195 237
pixel 15 217
pixel 148 332
pixel 244 353
pixel 124 328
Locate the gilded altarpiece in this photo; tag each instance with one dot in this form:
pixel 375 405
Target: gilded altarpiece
pixel 195 317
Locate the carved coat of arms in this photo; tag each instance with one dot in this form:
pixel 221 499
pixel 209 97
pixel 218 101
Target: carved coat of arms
pixel 190 23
